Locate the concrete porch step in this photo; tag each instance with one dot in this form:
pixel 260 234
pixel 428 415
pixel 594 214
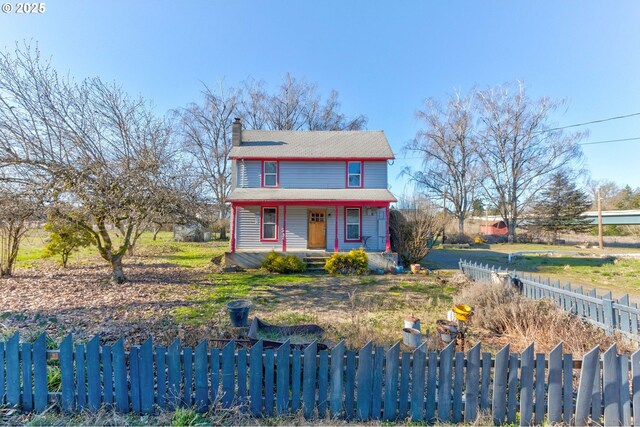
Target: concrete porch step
pixel 315 263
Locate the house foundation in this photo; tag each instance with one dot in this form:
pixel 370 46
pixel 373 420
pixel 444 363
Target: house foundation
pixel 254 259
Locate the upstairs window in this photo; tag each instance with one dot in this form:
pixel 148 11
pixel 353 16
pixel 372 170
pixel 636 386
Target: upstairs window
pixel 352 224
pixel 269 228
pixel 354 174
pixel 269 174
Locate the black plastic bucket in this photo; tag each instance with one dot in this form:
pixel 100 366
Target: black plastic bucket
pixel 239 312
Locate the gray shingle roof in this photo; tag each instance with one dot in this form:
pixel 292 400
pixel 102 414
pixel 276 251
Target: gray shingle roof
pixel 301 194
pixel 312 144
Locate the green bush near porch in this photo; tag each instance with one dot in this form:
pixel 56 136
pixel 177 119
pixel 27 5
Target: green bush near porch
pixel 354 262
pixel 276 263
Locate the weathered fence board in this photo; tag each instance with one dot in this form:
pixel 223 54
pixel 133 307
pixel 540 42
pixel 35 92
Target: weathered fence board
pixel 472 382
pixel 499 403
pixel 447 387
pixel 417 386
pixel 365 381
pixel 391 383
pixel 269 361
pixel 602 311
pixel 337 372
pixel 282 377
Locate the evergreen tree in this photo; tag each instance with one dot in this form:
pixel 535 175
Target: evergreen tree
pixel 560 207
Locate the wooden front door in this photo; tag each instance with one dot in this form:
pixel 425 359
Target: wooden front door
pixel 317 229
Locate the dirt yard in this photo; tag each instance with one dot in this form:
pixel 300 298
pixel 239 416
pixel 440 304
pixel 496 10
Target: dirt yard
pixel 175 291
pixel 165 300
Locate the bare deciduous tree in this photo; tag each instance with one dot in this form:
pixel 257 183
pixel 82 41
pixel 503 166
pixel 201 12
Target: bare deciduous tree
pixel 520 149
pixel 205 131
pixel 86 145
pixel 295 105
pixel 448 147
pixel 16 212
pixel 414 226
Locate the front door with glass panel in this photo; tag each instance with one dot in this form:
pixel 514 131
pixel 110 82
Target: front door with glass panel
pixel 317 229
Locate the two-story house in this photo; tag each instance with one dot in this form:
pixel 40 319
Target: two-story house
pixel 308 192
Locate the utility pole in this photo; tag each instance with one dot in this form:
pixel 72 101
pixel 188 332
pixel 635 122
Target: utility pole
pixel 600 238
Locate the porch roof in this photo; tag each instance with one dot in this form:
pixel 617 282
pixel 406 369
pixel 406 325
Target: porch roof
pixel 312 195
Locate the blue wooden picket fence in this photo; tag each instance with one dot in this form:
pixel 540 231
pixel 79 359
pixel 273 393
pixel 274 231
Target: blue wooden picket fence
pixel 602 310
pixel 374 383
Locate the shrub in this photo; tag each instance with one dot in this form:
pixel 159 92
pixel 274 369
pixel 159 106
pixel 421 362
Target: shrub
pixel 276 263
pixel 65 238
pixel 354 262
pixel 460 238
pixel 187 417
pixel 414 230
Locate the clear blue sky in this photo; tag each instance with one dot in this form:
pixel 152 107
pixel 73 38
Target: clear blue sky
pixel 383 57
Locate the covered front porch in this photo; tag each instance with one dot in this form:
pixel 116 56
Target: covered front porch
pixel 289 226
pixel 253 259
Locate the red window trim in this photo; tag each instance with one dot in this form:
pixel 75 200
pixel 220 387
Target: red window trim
pixel 262 182
pixel 344 214
pixel 361 174
pixel 262 239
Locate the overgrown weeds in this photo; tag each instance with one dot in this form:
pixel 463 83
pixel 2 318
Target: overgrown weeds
pixel 501 312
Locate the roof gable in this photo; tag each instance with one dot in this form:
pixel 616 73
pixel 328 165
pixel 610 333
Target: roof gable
pixel 258 144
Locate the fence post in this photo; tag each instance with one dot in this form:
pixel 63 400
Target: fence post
pixel 499 404
pixel 635 386
pixel 337 371
pixel 609 316
pixel 611 387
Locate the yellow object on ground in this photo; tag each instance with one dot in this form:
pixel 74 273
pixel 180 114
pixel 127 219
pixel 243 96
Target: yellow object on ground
pixel 462 311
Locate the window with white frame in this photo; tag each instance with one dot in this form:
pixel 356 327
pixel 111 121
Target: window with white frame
pixel 269 223
pixel 270 174
pixel 354 172
pixel 352 220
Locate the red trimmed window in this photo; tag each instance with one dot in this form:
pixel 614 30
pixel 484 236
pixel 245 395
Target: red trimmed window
pixel 352 224
pixel 354 174
pixel 269 173
pixel 269 224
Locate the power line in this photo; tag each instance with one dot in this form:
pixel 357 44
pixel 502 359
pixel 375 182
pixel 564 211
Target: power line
pixel 610 140
pixel 592 122
pixel 607 141
pixel 576 125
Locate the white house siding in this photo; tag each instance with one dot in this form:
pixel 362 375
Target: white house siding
pixel 313 174
pixel 296 227
pixel 375 174
pixel 369 228
pixel 248 229
pixel 294 174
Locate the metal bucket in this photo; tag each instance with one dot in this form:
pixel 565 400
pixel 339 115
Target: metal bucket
pixel 239 312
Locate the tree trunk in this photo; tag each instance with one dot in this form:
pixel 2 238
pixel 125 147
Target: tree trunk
pixel 461 225
pixel 155 232
pixel 511 236
pixel 131 250
pixel 223 232
pixel 117 275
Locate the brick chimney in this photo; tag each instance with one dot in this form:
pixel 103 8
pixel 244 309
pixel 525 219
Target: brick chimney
pixel 236 132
